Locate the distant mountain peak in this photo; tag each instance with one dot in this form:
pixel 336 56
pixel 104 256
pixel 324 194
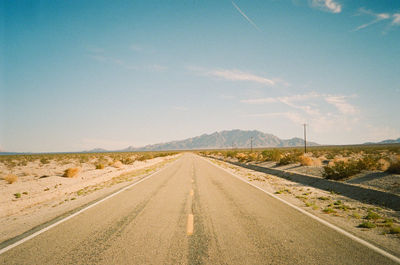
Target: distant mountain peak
pixel 224 139
pixel 388 141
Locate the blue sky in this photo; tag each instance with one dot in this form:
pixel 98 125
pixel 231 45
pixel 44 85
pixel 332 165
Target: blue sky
pixel 77 75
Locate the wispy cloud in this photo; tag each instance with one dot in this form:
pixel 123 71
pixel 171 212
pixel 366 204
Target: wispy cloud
pixel 237 75
pixel 341 104
pixel 289 101
pixel 396 19
pixel 392 19
pixel 303 109
pixel 245 16
pixel 327 5
pixel 377 18
pixel 259 100
pixel 339 101
pixel 286 100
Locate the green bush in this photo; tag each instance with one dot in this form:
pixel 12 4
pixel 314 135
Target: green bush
pixel 127 161
pixel 145 156
pixel 44 160
pixel 367 225
pixel 328 210
pixel 231 154
pixel 368 162
pixel 394 230
pixel 341 170
pixel 271 155
pixel 372 216
pixel 100 166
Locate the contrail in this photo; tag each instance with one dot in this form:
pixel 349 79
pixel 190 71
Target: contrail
pixel 246 17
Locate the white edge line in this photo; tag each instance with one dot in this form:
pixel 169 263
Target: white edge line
pixel 351 236
pixel 3 250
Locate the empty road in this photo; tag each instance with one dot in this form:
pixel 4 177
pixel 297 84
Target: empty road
pixel 191 212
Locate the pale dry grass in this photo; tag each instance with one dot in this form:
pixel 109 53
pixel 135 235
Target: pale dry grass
pixel 10 178
pixel 117 164
pixel 71 172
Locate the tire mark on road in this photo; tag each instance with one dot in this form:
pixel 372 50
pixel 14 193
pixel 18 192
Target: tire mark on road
pixel 199 241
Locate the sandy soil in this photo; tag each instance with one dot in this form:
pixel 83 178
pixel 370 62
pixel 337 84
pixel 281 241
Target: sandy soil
pixel 45 194
pixel 346 213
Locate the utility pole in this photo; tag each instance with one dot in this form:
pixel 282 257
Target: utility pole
pixel 251 144
pixel 305 138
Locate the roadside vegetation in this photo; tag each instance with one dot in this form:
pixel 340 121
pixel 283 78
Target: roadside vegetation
pixel 336 162
pixel 13 167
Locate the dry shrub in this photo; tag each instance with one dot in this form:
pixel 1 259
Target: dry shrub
pixel 241 157
pixel 128 160
pixel 383 164
pixel 10 178
pixel 289 158
pixel 317 162
pixel 306 161
pixel 71 172
pixel 145 156
pixel 117 164
pixel 310 161
pixel 338 159
pixel 253 156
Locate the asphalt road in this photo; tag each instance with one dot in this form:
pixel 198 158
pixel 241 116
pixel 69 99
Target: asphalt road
pixel 151 223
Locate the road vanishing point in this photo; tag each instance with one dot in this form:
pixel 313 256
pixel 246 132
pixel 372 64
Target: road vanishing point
pixel 191 212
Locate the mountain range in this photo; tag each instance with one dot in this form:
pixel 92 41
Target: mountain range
pixel 224 139
pixel 389 141
pixel 221 140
